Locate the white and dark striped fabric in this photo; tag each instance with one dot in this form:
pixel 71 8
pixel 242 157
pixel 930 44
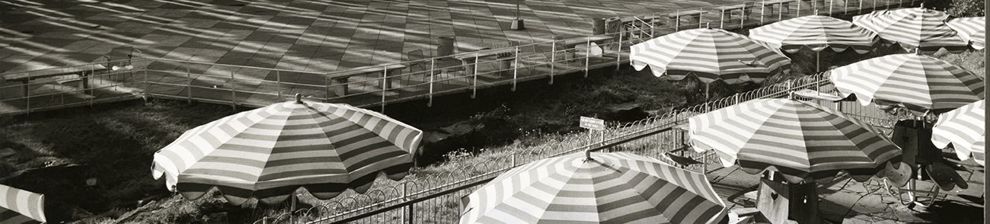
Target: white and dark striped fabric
pixel 20 206
pixel 269 152
pixel 710 54
pixel 799 139
pixel 964 128
pixel 609 188
pixel 912 28
pixel 917 82
pixel 971 29
pixel 815 32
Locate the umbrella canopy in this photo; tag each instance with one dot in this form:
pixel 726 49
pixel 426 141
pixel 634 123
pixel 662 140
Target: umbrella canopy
pixel 799 139
pixel 971 29
pixel 607 188
pixel 269 152
pixel 20 206
pixel 964 128
pixel 917 82
pixel 816 33
pixel 710 54
pixel 912 28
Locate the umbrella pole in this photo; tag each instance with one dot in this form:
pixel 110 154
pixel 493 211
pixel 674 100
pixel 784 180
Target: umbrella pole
pixel 818 61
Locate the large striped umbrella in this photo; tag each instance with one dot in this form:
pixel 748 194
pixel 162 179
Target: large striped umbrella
pixel 800 140
pixel 964 128
pixel 912 28
pixel 20 206
pixel 971 29
pixel 607 188
pixel 917 82
pixel 269 152
pixel 815 32
pixel 709 54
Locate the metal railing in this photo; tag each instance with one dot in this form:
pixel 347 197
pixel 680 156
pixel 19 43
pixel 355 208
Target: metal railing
pixel 382 84
pixel 434 197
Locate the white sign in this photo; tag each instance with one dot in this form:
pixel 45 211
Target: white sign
pixel 592 123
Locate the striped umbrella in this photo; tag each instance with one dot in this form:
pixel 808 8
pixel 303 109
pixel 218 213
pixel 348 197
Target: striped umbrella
pixel 964 128
pixel 607 188
pixel 816 33
pixel 912 28
pixel 971 29
pixel 710 54
pixel 269 152
pixel 917 82
pixel 798 139
pixel 20 206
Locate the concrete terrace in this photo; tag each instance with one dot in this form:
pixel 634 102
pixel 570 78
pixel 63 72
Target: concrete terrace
pixel 306 35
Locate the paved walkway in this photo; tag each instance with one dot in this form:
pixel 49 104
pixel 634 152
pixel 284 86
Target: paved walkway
pixel 308 35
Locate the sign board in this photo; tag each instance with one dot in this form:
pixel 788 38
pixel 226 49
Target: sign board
pixel 592 123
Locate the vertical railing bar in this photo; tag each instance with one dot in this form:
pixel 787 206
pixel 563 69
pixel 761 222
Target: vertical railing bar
pixel 618 53
pixel 798 11
pixel 553 57
pixel 429 103
pixel 384 86
pixel 742 18
pixel 780 13
pixel 233 95
pixel 278 84
pixel 721 20
pixel 587 56
pixel 326 88
pixel 474 82
pixel 763 6
pixel 515 68
pixel 189 84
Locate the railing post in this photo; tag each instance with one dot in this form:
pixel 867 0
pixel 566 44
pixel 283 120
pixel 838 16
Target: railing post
pixel 677 20
pixel 721 20
pixel 798 12
pixel 553 57
pixel 233 95
pixel 742 18
pixel 515 69
pixel 384 86
pixel 814 7
pixel 278 84
pixel 188 85
pixel 830 3
pixel 326 88
pixel 763 6
pixel 653 25
pixel 147 85
pixel 27 96
pixel 587 56
pixel 433 61
pixel 410 209
pixel 618 53
pixel 474 82
pixel 780 13
pixel 860 7
pixel 512 159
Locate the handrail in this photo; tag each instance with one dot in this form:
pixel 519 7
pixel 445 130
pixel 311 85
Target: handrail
pixel 484 180
pixel 661 124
